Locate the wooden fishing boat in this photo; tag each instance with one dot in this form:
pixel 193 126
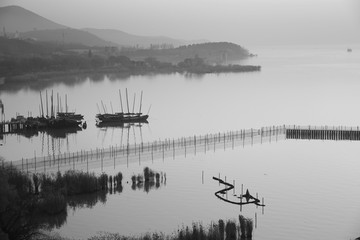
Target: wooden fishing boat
pixel 123 117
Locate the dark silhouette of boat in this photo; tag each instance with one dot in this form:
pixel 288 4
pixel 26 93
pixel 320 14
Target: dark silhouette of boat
pixel 122 117
pixel 63 123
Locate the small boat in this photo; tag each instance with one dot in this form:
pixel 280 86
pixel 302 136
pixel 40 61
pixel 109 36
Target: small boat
pixel 349 50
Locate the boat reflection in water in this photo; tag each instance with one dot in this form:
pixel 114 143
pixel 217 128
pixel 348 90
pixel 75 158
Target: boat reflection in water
pixel 120 124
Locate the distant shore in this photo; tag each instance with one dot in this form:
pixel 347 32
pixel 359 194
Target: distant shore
pixel 206 69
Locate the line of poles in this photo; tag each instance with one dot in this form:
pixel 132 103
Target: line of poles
pixel 123 154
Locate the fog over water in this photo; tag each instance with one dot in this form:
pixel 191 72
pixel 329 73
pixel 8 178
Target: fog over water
pixel 309 53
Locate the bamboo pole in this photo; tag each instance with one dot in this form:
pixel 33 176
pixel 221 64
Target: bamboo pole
pixel 103 106
pixel 122 110
pixel 42 107
pixel 127 101
pixel 133 110
pixel 140 102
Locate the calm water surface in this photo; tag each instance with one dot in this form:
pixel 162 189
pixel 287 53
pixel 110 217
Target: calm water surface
pixel 310 187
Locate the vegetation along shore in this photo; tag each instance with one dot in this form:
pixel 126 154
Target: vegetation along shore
pixel 28 60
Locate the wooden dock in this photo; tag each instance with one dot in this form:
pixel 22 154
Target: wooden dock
pixel 11 127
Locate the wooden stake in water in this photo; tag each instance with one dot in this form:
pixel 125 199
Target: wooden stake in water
pixel 234 187
pixel 195 144
pixel 139 156
pixel 185 146
pixel 173 149
pixel 224 141
pixel 214 143
pixel 241 196
pixel 163 152
pixel 255 220
pixel 101 160
pixel 35 160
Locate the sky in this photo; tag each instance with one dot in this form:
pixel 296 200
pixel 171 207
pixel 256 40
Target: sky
pixel 245 22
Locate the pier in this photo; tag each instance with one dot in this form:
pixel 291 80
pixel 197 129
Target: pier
pixel 11 127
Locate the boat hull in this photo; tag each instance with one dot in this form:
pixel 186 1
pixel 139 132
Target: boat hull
pixel 116 118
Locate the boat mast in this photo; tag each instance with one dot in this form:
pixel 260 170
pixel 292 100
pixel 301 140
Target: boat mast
pixel 127 101
pixel 52 103
pixel 103 106
pixel 47 108
pixel 134 103
pixel 61 109
pixel 66 106
pixel 122 111
pixel 140 102
pixel 42 107
pixel 58 106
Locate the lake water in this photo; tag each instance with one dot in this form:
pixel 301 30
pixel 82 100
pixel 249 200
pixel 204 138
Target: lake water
pixel 310 188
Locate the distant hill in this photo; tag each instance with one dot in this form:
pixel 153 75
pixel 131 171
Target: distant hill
pixel 18 19
pixel 19 48
pixel 27 24
pixel 129 40
pixel 67 36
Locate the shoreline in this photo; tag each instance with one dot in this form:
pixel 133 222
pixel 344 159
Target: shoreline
pixel 48 75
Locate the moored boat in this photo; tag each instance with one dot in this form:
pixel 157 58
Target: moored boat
pixel 123 117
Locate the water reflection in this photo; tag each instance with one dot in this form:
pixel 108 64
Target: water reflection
pixel 87 200
pixel 148 181
pixel 39 83
pixel 82 201
pixel 119 124
pixel 54 133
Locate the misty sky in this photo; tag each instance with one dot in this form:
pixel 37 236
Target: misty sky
pixel 246 22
